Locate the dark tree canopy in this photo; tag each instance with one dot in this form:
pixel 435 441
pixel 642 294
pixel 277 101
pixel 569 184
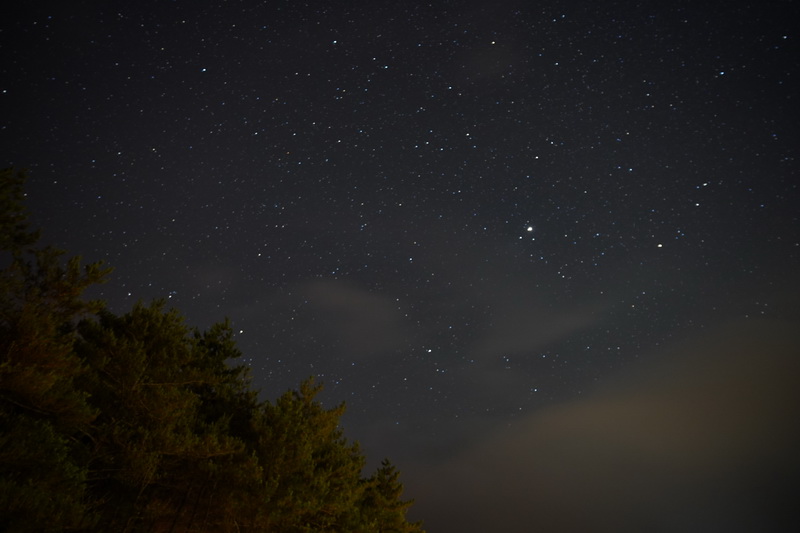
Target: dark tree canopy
pixel 138 422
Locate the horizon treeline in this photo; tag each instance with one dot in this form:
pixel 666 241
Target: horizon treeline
pixel 138 422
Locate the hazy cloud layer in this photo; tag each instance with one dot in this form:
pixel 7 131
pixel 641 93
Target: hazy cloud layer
pixel 362 323
pixel 524 328
pixel 702 438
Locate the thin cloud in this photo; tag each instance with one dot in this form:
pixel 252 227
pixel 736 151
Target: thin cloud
pixel 361 323
pixel 704 438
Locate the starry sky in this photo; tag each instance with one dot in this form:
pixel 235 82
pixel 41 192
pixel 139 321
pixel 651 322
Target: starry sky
pixel 546 252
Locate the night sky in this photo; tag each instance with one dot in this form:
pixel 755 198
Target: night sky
pixel 548 253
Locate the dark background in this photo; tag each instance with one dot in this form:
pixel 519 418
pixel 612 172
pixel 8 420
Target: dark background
pixel 547 252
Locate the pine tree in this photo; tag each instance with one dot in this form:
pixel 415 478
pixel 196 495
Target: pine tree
pixel 41 303
pixel 381 503
pixel 311 474
pixel 42 412
pixel 155 440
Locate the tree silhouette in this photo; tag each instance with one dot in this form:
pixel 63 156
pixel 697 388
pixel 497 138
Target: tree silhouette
pixel 138 422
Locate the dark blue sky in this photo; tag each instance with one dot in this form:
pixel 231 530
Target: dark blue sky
pixel 533 246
